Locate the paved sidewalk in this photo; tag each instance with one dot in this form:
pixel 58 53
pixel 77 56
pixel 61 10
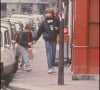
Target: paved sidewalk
pixel 39 79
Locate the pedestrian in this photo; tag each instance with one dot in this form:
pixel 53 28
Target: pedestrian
pixel 50 28
pixel 25 42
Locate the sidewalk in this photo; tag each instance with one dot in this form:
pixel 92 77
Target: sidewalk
pixel 39 79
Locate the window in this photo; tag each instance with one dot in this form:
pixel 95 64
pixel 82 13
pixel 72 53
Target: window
pixel 26 8
pixel 17 27
pixel 7 38
pixel 3 6
pixel 13 10
pixel 13 30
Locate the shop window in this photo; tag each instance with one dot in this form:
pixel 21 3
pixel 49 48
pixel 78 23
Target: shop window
pixel 13 10
pixel 3 6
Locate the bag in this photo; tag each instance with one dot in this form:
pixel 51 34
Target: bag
pixel 30 53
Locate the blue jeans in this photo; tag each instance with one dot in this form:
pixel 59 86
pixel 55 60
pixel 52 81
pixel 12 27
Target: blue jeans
pixel 25 57
pixel 50 52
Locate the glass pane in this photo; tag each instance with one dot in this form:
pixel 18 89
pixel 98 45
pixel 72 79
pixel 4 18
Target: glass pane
pixel 7 38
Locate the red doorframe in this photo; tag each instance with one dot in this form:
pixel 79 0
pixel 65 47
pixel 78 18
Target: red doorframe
pixel 85 59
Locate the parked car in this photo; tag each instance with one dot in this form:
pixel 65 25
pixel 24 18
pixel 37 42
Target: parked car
pixel 24 21
pixel 37 17
pixel 8 63
pixel 26 18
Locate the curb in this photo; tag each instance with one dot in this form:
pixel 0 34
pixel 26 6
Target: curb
pixel 85 77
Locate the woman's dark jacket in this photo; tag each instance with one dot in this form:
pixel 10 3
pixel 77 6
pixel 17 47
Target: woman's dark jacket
pixel 48 34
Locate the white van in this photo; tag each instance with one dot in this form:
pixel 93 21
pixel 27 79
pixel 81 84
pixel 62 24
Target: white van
pixel 7 55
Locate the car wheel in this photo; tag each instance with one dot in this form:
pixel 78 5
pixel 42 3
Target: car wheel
pixel 1 67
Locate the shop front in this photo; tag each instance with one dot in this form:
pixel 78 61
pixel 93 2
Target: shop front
pixel 85 49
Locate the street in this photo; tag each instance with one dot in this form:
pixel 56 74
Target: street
pixel 39 79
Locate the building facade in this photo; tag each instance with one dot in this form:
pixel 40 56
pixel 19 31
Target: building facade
pixel 85 56
pixel 9 7
pixel 53 4
pixel 83 27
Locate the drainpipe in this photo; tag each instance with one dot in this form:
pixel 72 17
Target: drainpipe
pixel 70 29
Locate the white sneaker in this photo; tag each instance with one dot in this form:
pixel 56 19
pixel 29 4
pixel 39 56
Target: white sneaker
pixel 50 71
pixel 27 69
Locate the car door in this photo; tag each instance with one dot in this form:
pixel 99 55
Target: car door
pixel 8 25
pixel 7 56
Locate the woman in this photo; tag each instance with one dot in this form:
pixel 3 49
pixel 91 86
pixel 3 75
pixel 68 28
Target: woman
pixel 50 28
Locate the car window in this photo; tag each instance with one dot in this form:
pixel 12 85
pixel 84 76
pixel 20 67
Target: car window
pixel 7 38
pixel 11 34
pixel 17 27
pixel 14 29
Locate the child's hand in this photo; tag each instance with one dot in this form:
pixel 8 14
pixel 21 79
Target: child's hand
pixel 30 44
pixel 34 42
